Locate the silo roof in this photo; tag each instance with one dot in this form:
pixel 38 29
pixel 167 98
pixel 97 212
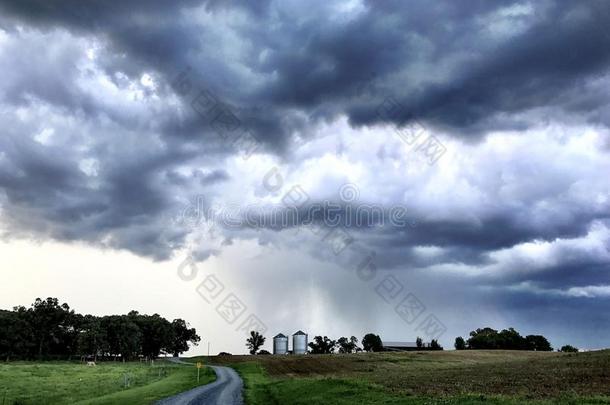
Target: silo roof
pixel 399 344
pixel 299 333
pixel 280 335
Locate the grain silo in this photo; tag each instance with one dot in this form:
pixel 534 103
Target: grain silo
pixel 280 344
pixel 299 343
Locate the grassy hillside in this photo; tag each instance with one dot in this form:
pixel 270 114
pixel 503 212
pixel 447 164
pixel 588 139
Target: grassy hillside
pixel 70 383
pixel 464 377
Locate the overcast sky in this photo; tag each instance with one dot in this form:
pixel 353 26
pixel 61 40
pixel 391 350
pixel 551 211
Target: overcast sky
pixel 146 148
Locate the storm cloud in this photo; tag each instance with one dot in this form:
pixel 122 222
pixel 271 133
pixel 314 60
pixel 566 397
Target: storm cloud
pixel 124 125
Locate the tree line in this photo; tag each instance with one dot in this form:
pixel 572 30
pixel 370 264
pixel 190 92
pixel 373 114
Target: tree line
pixel 324 345
pixel 50 330
pixel 506 339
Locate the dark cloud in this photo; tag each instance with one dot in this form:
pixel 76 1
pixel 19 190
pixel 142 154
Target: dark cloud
pixel 586 317
pixel 100 144
pixel 319 65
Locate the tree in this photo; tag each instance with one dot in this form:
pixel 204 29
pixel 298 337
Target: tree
pixel 48 320
pixel 255 341
pixel 568 349
pixel 322 345
pixel 434 345
pixel 123 335
pixel 538 343
pixel 510 339
pixel 157 333
pixel 507 339
pixel 372 343
pixel 15 335
pixel 92 337
pixel 419 342
pixel 485 338
pixel 182 335
pixel 71 333
pixel 348 345
pixel 49 329
pixel 460 344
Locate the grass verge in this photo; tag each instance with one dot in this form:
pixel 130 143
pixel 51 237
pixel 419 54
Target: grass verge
pixel 24 383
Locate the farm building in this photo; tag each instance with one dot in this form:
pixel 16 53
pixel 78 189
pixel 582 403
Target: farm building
pixel 299 343
pixel 404 346
pixel 280 344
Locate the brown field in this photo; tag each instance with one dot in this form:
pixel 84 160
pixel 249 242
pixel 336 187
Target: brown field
pixel 535 375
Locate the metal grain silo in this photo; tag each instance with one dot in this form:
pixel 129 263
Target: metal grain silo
pixel 280 344
pixel 299 343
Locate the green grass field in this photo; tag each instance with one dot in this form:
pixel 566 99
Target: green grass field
pixel 465 377
pixel 107 383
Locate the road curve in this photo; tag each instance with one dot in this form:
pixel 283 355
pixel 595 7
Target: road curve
pixel 226 390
